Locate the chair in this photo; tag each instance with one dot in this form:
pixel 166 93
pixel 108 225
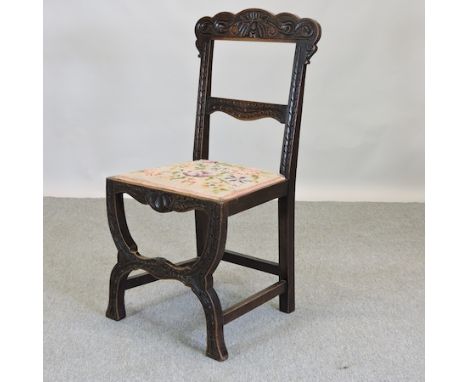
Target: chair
pixel 217 190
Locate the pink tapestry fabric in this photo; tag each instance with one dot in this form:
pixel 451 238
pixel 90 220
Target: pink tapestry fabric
pixel 205 179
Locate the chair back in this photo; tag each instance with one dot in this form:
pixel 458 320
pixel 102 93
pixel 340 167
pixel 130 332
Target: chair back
pixel 255 25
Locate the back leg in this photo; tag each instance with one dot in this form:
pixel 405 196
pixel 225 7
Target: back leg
pixel 286 251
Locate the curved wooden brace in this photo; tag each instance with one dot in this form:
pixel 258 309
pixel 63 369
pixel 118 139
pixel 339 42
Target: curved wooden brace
pixel 165 202
pixel 196 275
pixel 247 110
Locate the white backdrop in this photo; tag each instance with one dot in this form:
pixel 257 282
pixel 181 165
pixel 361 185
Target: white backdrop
pixel 120 87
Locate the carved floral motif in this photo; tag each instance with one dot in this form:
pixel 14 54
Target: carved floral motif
pixel 257 24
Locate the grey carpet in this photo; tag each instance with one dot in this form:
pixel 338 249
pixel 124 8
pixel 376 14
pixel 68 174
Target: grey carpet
pixel 360 298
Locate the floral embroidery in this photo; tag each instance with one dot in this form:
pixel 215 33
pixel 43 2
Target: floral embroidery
pixel 204 178
pixel 198 174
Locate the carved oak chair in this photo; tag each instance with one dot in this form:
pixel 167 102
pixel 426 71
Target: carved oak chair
pixel 217 190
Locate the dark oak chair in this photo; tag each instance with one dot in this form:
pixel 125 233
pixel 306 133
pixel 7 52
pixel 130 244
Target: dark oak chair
pixel 217 190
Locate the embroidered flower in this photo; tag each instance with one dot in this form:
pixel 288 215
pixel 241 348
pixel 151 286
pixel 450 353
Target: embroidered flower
pixel 238 179
pixel 199 173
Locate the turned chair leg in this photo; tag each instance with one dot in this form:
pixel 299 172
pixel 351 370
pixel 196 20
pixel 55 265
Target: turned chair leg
pixel 286 251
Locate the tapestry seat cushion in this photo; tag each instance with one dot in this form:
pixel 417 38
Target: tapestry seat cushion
pixel 205 179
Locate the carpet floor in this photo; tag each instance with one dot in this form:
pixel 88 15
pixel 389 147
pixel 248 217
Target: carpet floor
pixel 359 297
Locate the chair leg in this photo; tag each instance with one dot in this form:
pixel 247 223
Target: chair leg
pixel 125 245
pixel 201 230
pixel 211 241
pixel 286 251
pixel 211 235
pixel 116 306
pixel 215 345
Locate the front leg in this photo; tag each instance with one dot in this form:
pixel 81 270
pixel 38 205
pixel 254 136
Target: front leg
pixel 197 275
pixel 215 345
pixel 201 281
pixel 126 246
pixel 116 306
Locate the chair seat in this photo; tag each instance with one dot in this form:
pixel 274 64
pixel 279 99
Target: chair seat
pixel 205 179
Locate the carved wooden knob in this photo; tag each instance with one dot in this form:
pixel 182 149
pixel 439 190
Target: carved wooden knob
pixel 160 202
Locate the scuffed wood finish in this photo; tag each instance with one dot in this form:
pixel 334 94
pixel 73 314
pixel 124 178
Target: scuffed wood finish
pixel 212 217
pixel 247 110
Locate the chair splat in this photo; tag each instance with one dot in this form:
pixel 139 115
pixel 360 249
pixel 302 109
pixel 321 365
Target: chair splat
pixel 247 110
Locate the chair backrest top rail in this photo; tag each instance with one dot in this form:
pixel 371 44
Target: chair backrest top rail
pixel 257 25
